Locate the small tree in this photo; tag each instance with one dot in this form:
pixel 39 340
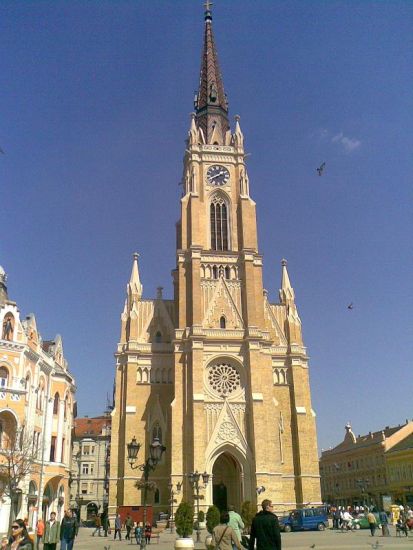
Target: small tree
pixel 18 461
pixel 212 518
pixel 247 514
pixel 184 519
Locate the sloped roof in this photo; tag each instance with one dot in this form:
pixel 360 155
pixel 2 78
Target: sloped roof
pixel 90 426
pixel 403 445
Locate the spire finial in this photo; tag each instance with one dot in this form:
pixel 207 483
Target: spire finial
pixel 135 287
pixel 286 291
pixel 208 10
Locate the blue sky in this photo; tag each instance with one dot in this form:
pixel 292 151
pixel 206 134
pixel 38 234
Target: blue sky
pixel 95 103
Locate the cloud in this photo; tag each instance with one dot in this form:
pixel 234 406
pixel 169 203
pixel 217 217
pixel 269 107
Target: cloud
pixel 349 144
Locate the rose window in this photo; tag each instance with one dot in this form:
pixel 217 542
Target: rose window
pixel 224 379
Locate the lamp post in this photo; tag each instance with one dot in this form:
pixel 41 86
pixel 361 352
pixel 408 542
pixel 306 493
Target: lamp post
pixel 362 484
pixel 172 493
pixel 194 478
pixel 156 450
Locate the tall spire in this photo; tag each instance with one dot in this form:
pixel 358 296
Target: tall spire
pixel 287 295
pixel 211 103
pixel 135 287
pixel 3 287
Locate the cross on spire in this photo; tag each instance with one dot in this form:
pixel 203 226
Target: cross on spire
pixel 208 10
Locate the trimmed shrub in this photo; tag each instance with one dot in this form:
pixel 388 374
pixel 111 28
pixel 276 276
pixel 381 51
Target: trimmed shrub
pixel 248 512
pixel 201 516
pixel 212 518
pixel 184 519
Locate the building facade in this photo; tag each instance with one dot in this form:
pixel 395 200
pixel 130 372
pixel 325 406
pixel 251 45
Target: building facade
pixel 89 486
pixel 36 418
pixel 371 469
pixel 220 372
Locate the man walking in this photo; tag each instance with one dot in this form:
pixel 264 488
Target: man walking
pixel 68 531
pixel 371 518
pixel 98 526
pixel 118 526
pixel 384 520
pixel 39 532
pixel 51 533
pixel 265 529
pixel 129 523
pixel 235 522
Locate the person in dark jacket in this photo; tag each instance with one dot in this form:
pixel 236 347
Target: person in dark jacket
pixel 265 529
pixel 68 531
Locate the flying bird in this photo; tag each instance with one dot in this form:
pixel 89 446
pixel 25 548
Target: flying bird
pixel 312 546
pixel 320 170
pixel 350 306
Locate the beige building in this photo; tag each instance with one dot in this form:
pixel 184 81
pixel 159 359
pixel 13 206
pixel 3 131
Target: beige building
pixel 89 487
pixel 371 469
pixel 36 418
pixel 220 371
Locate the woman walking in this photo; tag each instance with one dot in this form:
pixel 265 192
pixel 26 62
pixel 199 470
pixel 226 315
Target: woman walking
pixel 223 536
pixel 20 536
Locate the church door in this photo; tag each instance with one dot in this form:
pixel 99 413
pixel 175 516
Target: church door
pixel 227 486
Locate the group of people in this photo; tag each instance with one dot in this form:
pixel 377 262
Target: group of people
pixel 49 532
pixel 138 530
pixel 265 530
pixel 344 519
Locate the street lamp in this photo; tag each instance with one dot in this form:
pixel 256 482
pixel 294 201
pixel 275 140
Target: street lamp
pixel 194 478
pixel 156 450
pixel 362 484
pixel 172 493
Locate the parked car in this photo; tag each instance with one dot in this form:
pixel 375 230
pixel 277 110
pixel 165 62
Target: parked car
pixel 360 522
pixel 304 519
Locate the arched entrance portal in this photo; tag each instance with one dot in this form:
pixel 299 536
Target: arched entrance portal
pixel 227 482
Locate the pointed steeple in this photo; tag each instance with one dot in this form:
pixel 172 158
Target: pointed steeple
pixel 3 287
pixel 135 287
pixel 286 292
pixel 211 103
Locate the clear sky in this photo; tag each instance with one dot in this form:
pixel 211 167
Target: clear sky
pixel 95 103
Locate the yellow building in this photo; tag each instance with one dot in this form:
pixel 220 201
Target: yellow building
pixel 399 466
pixel 365 469
pixel 220 372
pixel 36 417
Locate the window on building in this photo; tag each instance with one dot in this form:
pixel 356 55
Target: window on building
pixel 86 449
pixel 63 450
pixel 157 432
pixel 83 488
pixel 222 322
pixel 53 449
pixel 56 404
pixel 4 377
pixel 219 224
pixel 157 498
pixel 158 337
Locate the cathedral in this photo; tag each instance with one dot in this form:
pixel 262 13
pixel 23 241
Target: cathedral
pixel 219 373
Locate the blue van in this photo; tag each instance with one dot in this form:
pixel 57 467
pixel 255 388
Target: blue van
pixel 305 519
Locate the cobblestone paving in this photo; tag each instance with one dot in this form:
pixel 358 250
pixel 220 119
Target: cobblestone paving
pixel 328 540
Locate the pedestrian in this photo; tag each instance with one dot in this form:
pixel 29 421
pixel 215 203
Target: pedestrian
pixel 336 518
pixel 20 539
pixel 235 521
pixel 68 530
pixel 51 533
pixel 384 520
pixel 129 523
pixel 148 533
pixel 347 521
pixel 118 526
pixel 98 526
pixel 224 536
pixel 265 529
pixel 138 533
pixel 105 523
pixel 39 532
pixel 371 518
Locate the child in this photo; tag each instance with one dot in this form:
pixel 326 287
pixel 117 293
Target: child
pixel 138 533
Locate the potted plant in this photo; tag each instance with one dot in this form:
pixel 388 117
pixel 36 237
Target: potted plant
pixel 184 522
pixel 212 520
pixel 201 520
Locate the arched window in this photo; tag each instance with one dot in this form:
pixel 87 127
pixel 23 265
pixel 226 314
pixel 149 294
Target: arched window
pixel 157 432
pixel 40 395
pixel 158 337
pixel 157 497
pixel 222 322
pixel 219 223
pixel 4 377
pixel 215 272
pixel 56 404
pixel 227 273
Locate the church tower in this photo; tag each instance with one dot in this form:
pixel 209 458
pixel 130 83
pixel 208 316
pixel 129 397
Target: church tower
pixel 219 373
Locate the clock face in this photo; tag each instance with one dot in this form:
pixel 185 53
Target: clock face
pixel 217 175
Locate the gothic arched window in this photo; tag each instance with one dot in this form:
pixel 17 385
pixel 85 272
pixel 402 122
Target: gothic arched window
pixel 4 377
pixel 56 404
pixel 158 337
pixel 222 322
pixel 219 223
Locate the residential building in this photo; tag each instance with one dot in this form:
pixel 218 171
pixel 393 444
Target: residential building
pixel 369 469
pixel 219 373
pixel 89 486
pixel 37 403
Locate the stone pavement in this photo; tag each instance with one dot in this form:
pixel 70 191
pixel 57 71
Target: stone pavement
pixel 327 540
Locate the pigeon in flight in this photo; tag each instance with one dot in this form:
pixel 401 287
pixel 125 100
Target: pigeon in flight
pixel 321 169
pixel 350 306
